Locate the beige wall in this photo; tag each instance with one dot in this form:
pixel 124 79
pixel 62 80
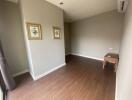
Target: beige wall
pixel 12 38
pixel 94 36
pixel 67 32
pixel 1 17
pixel 124 74
pixel 46 54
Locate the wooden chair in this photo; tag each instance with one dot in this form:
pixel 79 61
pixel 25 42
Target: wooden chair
pixel 111 58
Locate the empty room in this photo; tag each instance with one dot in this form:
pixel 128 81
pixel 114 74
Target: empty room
pixel 65 50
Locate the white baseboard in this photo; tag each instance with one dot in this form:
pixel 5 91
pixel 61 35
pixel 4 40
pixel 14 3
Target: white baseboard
pixel 116 88
pixel 32 75
pixel 48 72
pixel 87 57
pixel 20 73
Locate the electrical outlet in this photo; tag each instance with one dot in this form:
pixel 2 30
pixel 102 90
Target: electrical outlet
pixel 110 49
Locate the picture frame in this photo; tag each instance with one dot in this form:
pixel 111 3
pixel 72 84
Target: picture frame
pixel 34 31
pixel 56 32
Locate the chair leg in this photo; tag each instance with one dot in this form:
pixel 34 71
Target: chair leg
pixel 115 67
pixel 104 63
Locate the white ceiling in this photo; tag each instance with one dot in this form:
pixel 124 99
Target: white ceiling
pixel 80 9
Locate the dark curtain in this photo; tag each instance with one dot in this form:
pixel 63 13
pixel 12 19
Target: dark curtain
pixel 7 77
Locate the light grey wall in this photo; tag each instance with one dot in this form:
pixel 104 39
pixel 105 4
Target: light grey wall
pixel 12 38
pixel 67 32
pixel 48 53
pixel 124 74
pixel 94 36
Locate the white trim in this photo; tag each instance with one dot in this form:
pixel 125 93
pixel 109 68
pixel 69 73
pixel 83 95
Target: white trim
pixel 48 72
pixel 116 88
pixel 32 76
pixel 116 91
pixel 87 56
pixel 20 73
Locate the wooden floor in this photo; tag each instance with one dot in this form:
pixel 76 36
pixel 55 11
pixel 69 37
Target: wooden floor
pixel 80 79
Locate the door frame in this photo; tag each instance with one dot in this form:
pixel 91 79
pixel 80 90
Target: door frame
pixel 3 87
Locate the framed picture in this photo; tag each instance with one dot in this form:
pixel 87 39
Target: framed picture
pixel 57 32
pixel 34 31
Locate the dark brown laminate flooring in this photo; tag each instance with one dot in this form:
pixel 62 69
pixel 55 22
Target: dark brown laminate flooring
pixel 80 79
